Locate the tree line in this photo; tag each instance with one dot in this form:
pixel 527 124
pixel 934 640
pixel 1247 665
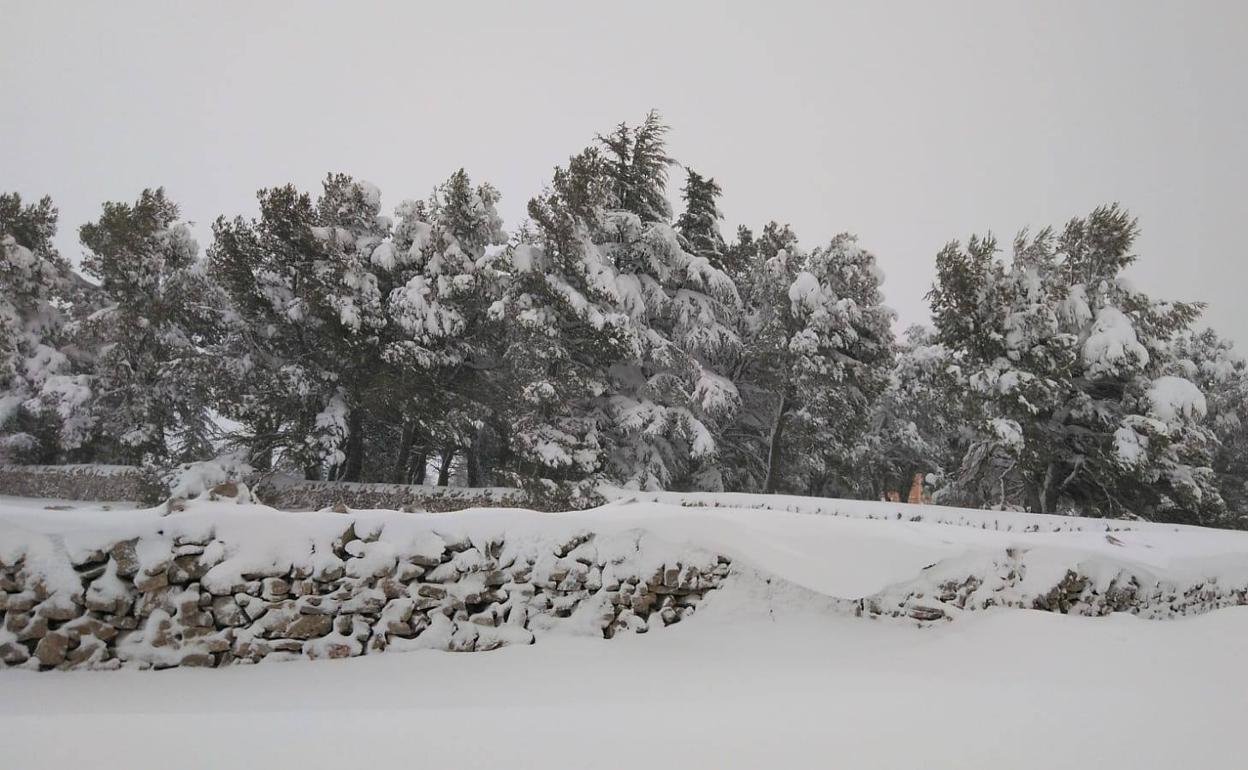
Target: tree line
pixel 603 338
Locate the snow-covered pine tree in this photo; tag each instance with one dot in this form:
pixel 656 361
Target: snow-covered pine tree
pixel 918 423
pixel 601 285
pixel 302 355
pixel 266 379
pixel 159 311
pixel 445 260
pixel 840 353
pixel 567 325
pixel 668 404
pixel 698 224
pixel 636 165
pixel 818 349
pixel 971 301
pixel 1070 365
pixel 762 269
pixel 44 391
pixel 1221 373
pixel 351 229
pixel 701 318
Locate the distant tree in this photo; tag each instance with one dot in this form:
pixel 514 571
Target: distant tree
pixel 636 163
pixel 698 224
pixel 620 331
pixel 839 353
pixel 669 403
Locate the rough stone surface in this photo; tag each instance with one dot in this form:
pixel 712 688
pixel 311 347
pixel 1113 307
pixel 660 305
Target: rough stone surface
pixel 81 482
pixel 150 604
pixel 51 648
pixel 999 582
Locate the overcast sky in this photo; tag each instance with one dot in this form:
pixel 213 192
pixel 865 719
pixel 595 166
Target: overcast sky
pixel 909 124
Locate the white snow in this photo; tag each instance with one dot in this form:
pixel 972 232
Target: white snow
pixel 1130 447
pixel 1009 433
pixel 370 191
pixel 1018 690
pixel 768 673
pixel 524 257
pixel 1112 345
pixel 194 479
pixel 1174 400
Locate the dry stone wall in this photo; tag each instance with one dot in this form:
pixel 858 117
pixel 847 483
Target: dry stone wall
pixel 1089 587
pixel 81 482
pixel 178 597
pixel 108 483
pixel 291 494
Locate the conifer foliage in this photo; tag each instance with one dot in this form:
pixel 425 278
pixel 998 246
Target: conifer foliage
pixel 156 312
pixel 44 392
pixel 605 339
pixel 1082 405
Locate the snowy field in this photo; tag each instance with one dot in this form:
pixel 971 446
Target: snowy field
pixel 771 672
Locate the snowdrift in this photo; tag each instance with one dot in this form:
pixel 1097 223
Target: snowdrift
pixel 229 581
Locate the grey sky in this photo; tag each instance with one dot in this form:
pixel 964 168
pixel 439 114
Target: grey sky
pixel 907 123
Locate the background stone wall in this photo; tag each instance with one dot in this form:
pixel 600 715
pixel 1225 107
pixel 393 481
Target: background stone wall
pixel 82 482
pixel 290 494
pixel 109 483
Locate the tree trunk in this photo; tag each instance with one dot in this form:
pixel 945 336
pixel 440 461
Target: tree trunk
pixel 444 469
pixel 1048 495
pixel 471 456
pixel 353 465
pixel 773 451
pixel 312 472
pixel 503 459
pixel 420 463
pixel 399 475
pixel 261 451
pixel 261 456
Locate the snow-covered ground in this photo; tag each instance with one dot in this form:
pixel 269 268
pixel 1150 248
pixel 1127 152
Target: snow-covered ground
pixel 771 672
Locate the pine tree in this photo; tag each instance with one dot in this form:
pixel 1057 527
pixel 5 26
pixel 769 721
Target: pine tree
pixel 567 327
pixel 43 388
pixel 159 311
pixel 698 224
pixel 918 424
pixel 1221 374
pixel 667 405
pixel 619 327
pixel 764 269
pixel 636 164
pixel 302 356
pixel 351 229
pixel 818 348
pixel 445 259
pixel 1070 366
pixel 840 351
